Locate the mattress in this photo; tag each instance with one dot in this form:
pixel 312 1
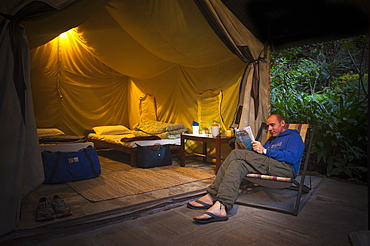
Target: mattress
pixel 61 138
pixel 116 139
pixel 56 136
pixel 65 147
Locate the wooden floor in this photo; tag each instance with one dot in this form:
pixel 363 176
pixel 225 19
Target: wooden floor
pixel 330 213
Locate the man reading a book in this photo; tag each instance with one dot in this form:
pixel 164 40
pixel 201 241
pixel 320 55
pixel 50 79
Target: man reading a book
pixel 279 156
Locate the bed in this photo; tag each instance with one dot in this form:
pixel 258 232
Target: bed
pixel 54 140
pixel 147 133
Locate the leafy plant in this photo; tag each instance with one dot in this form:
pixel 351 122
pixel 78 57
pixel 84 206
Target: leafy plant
pixel 342 139
pixel 317 84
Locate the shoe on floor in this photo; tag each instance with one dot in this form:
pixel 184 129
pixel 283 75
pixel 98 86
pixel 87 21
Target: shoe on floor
pixel 44 210
pixel 60 207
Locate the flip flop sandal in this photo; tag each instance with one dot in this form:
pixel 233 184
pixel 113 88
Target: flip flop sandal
pixel 205 205
pixel 214 218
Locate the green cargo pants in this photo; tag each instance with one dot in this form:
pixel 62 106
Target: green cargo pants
pixel 236 166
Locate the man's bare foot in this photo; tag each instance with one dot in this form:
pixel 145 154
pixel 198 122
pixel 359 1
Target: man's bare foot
pixel 207 199
pixel 217 209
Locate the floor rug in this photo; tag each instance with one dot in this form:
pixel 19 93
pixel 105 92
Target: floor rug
pixel 135 181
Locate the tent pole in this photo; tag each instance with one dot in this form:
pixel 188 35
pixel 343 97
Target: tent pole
pixel 368 135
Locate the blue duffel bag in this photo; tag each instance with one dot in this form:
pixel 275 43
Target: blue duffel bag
pixel 62 167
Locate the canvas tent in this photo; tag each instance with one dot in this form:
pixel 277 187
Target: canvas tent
pixel 95 74
pixel 119 51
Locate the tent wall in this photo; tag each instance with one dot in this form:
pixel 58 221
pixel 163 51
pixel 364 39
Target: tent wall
pixel 20 160
pixel 71 88
pixel 254 86
pixel 95 74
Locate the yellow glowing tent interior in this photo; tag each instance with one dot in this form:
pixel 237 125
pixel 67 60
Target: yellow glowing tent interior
pixel 96 73
pixel 111 54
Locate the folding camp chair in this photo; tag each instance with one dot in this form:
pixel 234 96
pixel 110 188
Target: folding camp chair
pixel 307 133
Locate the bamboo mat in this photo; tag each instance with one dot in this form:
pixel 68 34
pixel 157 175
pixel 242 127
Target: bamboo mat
pixel 112 185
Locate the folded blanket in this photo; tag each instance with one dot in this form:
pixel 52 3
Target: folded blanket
pixel 152 127
pixel 140 138
pixel 143 134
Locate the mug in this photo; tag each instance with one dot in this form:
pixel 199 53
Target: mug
pixel 195 130
pixel 215 131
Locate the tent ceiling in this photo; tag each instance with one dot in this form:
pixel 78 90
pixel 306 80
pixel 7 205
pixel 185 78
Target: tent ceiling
pixel 289 23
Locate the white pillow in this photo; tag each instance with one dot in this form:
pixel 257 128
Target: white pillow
pixel 42 132
pixel 111 130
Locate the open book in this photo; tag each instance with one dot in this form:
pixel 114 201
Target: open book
pixel 244 137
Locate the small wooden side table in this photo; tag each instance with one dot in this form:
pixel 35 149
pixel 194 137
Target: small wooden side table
pixel 218 141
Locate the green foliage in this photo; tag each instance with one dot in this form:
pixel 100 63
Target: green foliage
pixel 325 91
pixel 350 83
pixel 342 138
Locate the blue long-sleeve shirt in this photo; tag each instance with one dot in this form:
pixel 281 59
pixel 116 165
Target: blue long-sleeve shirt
pixel 287 146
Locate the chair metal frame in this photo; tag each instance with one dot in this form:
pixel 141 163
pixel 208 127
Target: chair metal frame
pixel 274 181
